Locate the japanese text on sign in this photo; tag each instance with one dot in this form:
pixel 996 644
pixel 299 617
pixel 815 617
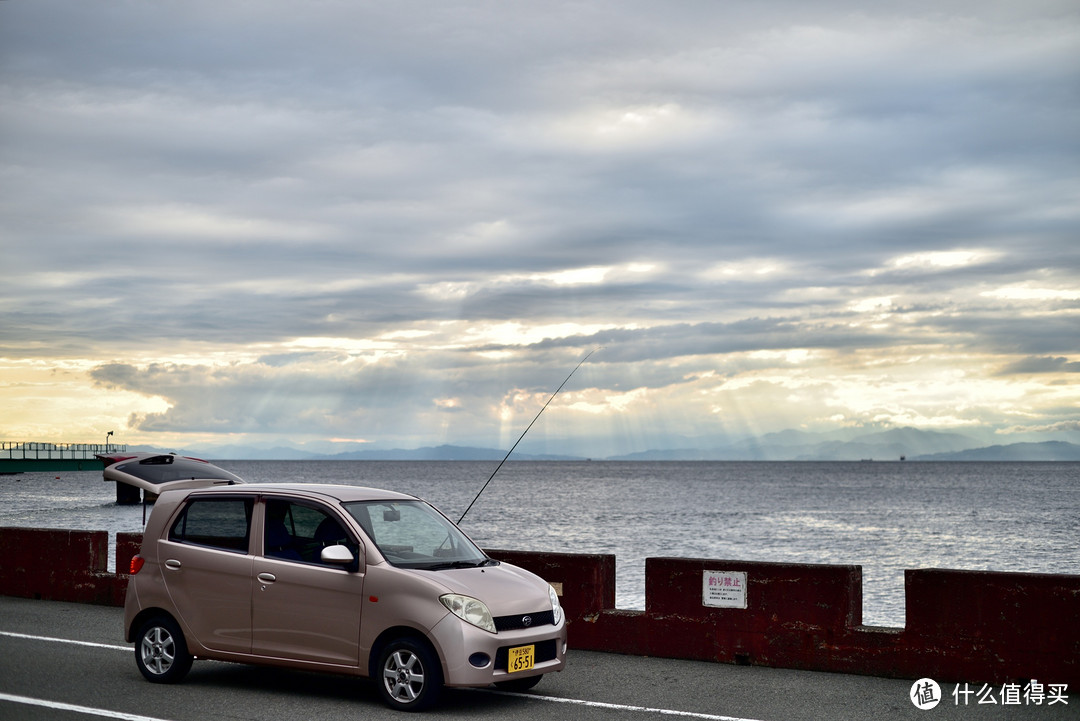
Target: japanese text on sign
pixel 723 589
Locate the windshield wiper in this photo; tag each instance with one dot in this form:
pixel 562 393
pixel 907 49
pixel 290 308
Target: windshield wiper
pixel 460 564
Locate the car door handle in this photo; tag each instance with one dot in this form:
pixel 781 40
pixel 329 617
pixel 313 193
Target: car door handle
pixel 173 564
pixel 267 577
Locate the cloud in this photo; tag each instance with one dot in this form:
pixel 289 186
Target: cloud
pixel 1042 364
pixel 1063 426
pixel 362 219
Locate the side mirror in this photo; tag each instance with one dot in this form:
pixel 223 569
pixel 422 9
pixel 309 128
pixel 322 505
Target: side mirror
pixel 338 555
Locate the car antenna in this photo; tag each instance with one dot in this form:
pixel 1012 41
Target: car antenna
pixel 549 400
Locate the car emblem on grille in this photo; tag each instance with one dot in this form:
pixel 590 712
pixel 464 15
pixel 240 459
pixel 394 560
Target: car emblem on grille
pixel 526 621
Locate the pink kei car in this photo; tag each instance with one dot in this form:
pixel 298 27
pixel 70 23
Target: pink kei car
pixel 342 579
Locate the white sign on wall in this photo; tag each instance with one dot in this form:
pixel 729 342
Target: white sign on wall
pixel 723 589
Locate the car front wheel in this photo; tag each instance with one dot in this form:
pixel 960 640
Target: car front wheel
pixel 161 652
pixel 410 675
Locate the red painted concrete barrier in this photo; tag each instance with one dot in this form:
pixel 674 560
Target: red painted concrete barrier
pixel 962 626
pixel 58 565
pixel 960 621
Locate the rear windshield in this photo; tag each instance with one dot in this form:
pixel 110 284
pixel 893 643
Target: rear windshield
pixel 162 469
pixel 412 534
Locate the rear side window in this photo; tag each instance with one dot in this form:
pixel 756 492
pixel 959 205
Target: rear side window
pixel 215 522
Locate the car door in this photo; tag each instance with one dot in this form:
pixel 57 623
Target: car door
pixel 207 570
pixel 302 608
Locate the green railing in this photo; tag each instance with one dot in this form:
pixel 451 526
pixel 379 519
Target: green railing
pixel 23 457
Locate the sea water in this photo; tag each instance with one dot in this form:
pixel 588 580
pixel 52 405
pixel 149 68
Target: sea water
pixel 883 516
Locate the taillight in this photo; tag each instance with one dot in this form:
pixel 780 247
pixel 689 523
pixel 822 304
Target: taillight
pixel 136 564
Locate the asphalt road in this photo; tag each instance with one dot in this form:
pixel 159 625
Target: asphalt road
pixel 62 661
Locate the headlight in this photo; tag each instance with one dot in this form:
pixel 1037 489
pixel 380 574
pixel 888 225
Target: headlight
pixel 469 610
pixel 556 608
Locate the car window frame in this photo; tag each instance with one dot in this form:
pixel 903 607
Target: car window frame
pixel 354 543
pixel 181 517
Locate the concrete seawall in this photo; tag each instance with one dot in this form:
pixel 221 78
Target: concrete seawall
pixel 973 626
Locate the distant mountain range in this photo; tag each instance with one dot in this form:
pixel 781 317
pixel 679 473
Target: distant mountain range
pixel 1046 451
pixel 801 446
pixel 911 444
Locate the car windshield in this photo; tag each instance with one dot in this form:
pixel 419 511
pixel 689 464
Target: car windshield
pixel 412 534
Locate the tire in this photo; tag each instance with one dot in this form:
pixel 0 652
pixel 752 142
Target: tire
pixel 161 652
pixel 410 676
pixel 519 684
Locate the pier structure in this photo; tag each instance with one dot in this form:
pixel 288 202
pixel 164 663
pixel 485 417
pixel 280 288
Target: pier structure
pixel 27 457
pixel 962 626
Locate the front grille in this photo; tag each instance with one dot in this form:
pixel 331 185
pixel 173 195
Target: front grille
pixel 545 651
pixel 514 623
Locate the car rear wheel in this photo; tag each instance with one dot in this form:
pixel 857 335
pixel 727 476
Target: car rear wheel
pixel 161 652
pixel 410 677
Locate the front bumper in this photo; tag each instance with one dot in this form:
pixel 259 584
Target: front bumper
pixel 474 657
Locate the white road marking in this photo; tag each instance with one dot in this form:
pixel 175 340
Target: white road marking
pixel 533 697
pixel 104 713
pixel 622 707
pixel 65 640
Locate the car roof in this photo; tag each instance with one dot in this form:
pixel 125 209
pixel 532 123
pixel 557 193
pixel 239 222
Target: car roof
pixel 337 492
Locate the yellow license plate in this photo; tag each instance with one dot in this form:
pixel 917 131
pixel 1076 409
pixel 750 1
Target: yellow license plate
pixel 521 658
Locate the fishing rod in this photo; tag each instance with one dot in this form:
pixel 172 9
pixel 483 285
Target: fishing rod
pixel 549 400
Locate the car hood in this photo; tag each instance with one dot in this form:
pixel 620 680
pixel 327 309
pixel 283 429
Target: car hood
pixel 505 588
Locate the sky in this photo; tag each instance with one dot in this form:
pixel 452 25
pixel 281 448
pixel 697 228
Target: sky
pixel 403 224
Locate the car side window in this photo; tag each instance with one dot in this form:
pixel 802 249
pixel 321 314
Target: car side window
pixel 299 532
pixel 222 523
